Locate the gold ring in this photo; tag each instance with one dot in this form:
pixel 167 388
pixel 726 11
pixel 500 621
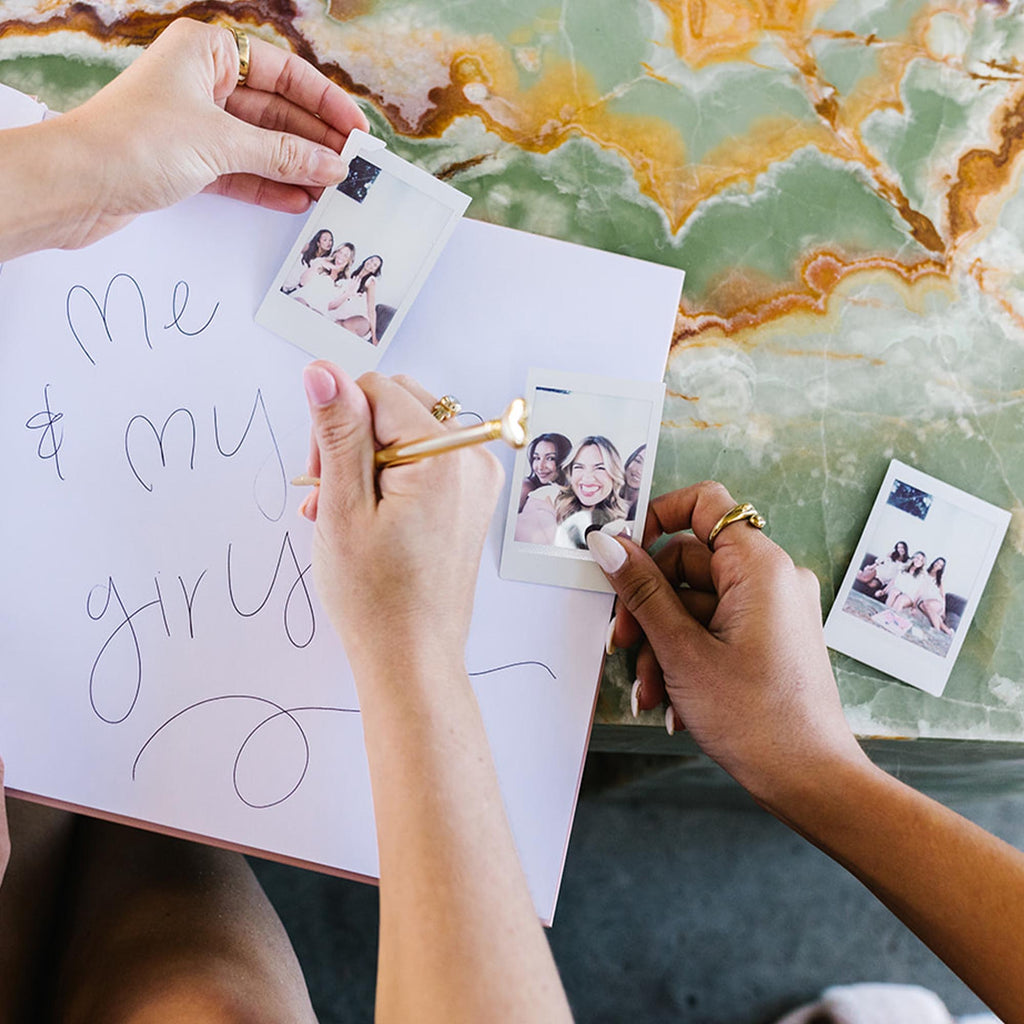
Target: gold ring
pixel 445 408
pixel 242 42
pixel 736 514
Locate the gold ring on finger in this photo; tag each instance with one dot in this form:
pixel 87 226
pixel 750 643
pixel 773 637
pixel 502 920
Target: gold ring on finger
pixel 735 515
pixel 242 42
pixel 445 408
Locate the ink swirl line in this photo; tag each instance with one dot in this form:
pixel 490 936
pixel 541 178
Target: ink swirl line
pixel 512 664
pixel 278 712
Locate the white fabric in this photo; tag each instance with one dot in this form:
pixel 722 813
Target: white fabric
pixel 872 1003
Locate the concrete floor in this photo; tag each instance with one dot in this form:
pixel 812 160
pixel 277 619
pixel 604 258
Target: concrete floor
pixel 679 903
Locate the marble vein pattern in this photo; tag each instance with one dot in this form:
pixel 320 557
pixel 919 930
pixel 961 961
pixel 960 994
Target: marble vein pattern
pixel 839 178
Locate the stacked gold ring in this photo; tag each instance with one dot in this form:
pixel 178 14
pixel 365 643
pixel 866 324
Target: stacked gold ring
pixel 445 408
pixel 735 515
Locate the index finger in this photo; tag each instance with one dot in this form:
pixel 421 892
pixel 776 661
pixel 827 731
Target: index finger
pixel 398 414
pixel 273 69
pixel 698 508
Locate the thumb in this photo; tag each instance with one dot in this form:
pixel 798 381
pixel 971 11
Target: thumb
pixel 646 593
pixel 279 156
pixel 343 432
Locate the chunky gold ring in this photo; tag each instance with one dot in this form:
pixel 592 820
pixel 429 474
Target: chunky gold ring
pixel 242 42
pixel 736 514
pixel 445 408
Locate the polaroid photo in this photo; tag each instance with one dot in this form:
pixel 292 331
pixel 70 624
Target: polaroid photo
pixel 587 465
pixel 916 577
pixel 362 257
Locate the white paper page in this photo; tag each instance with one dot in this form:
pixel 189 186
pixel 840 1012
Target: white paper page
pixel 17 109
pixel 141 698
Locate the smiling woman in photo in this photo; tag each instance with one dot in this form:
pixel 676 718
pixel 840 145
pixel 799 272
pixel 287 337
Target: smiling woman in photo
pixel 318 247
pixel 634 473
pixel 356 307
pixel 561 515
pixel 545 456
pixel 883 571
pixel 321 280
pixel 931 595
pixel 902 591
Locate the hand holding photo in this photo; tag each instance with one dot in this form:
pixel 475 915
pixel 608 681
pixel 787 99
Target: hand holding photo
pixel 916 578
pixel 587 466
pixel 362 257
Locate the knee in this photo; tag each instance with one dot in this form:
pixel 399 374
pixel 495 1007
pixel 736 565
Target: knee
pixel 207 996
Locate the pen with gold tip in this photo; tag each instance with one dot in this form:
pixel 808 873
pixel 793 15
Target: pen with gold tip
pixel 510 427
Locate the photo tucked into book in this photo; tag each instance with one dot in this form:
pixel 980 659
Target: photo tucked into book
pixel 917 575
pixel 362 257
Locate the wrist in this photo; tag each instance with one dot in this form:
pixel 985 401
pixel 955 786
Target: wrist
pixel 821 795
pixel 49 197
pixel 403 666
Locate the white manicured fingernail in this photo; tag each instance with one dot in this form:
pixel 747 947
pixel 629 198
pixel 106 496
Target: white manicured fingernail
pixel 634 698
pixel 609 646
pixel 670 721
pixel 607 552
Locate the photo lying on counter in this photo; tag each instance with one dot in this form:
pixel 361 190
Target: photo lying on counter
pixel 587 466
pixel 916 577
pixel 362 257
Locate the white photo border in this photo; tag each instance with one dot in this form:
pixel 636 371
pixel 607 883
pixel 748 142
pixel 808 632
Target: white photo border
pixel 307 328
pixel 873 646
pixel 566 567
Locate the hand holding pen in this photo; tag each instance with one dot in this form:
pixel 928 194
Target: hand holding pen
pixel 379 534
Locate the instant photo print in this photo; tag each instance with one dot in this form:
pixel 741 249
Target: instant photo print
pixel 587 465
pixel 916 577
pixel 362 257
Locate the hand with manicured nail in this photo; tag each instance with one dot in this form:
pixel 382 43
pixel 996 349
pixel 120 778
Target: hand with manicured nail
pixel 174 123
pixel 733 638
pixel 395 558
pixel 395 555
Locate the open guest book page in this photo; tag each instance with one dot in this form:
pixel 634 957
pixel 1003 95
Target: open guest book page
pixel 163 657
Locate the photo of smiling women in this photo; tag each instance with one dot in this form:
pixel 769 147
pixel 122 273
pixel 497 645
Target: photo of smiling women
pixel 544 457
pixel 572 475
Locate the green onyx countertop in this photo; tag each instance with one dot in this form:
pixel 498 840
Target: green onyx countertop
pixel 838 179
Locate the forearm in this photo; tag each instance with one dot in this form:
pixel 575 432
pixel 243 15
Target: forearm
pixel 459 936
pixel 960 889
pixel 46 184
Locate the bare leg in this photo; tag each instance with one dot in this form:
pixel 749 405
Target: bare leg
pixel 30 899
pixel 867 575
pixel 167 930
pixel 357 325
pixel 935 617
pixel 898 601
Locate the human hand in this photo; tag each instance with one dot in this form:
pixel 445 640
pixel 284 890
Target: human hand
pixel 175 123
pixel 739 651
pixel 395 554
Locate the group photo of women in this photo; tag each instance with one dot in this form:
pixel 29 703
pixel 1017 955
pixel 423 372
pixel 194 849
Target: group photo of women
pixel 573 488
pixel 909 582
pixel 330 279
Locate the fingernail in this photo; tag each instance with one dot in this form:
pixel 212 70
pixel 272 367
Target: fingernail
pixel 634 698
pixel 321 387
pixel 670 721
pixel 609 645
pixel 326 167
pixel 304 507
pixel 607 552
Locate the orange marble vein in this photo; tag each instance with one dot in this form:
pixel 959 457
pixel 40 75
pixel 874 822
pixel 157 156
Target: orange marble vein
pixel 711 31
pixel 820 275
pixel 982 173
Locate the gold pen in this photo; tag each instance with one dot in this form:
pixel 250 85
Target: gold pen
pixel 510 427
